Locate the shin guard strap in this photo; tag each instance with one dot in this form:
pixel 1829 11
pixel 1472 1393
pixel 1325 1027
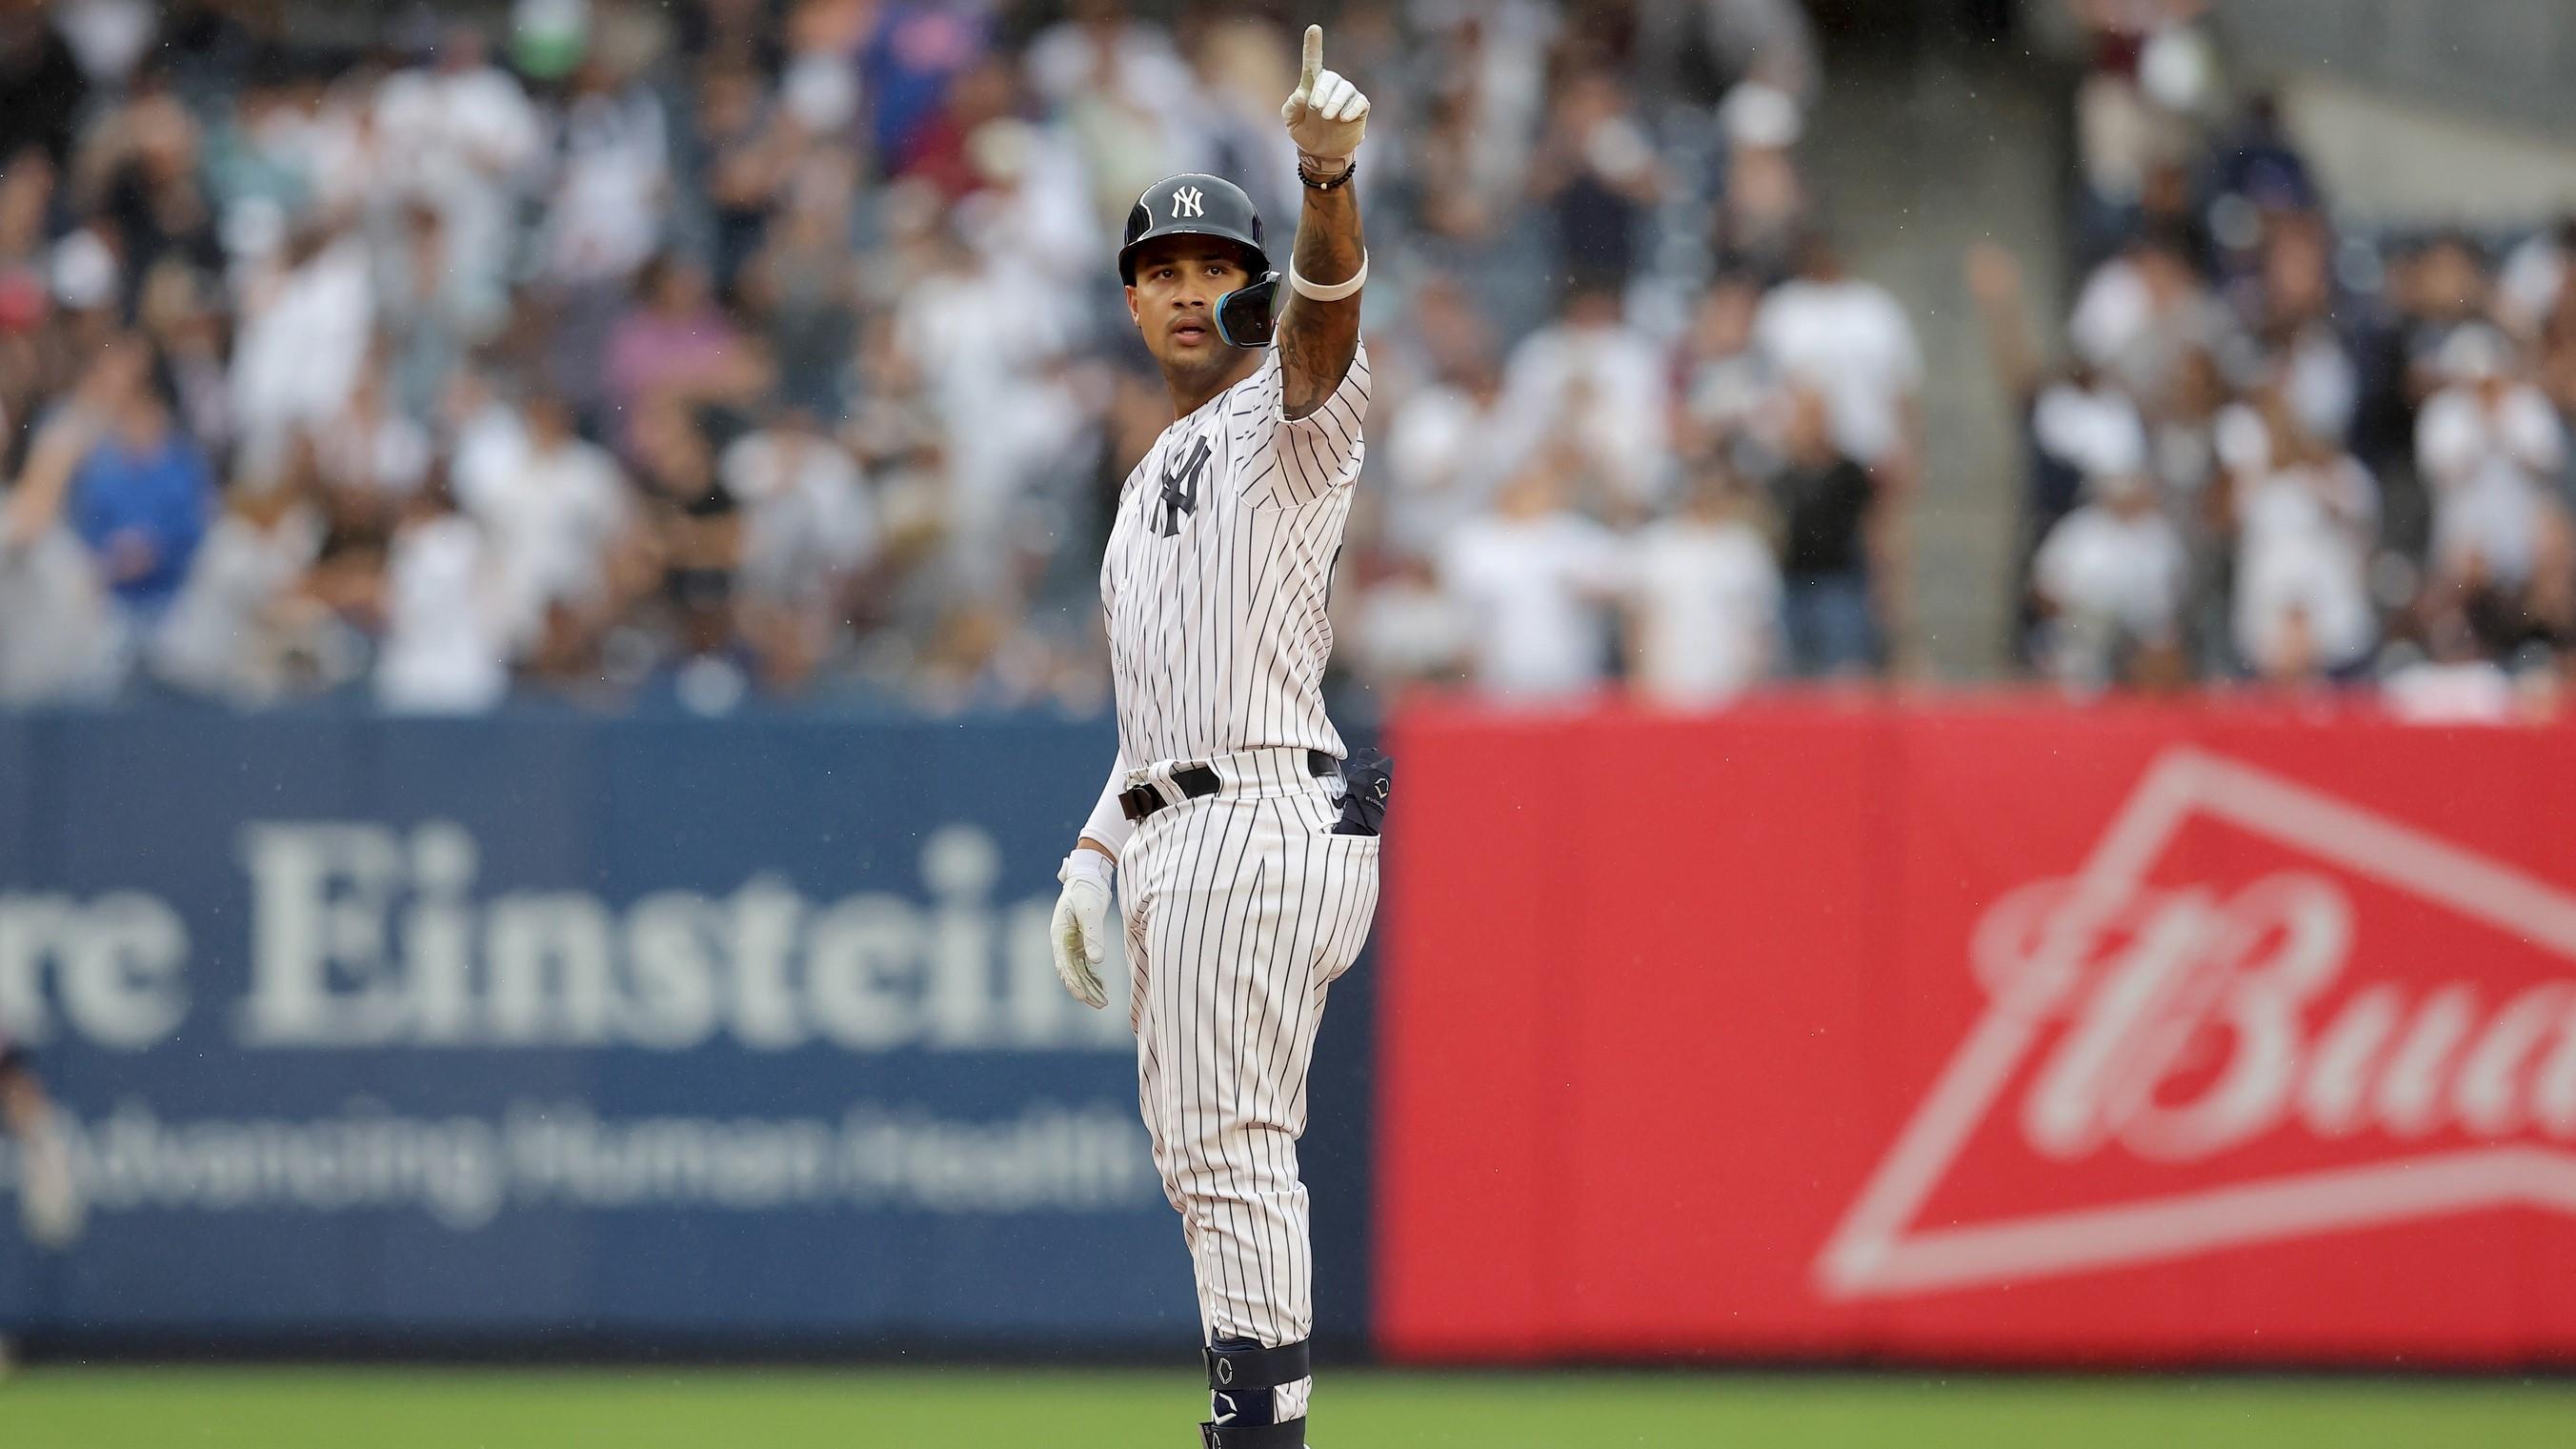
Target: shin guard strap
pixel 1257 1368
pixel 1290 1435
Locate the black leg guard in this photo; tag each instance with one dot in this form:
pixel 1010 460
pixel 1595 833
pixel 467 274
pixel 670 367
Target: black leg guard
pixel 1243 1364
pixel 1290 1435
pixel 1240 1370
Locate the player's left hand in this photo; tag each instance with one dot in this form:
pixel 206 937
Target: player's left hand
pixel 1079 930
pixel 1327 115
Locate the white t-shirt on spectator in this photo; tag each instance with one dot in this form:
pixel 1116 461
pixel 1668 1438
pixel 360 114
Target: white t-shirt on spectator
pixel 303 338
pixel 461 142
pixel 1444 454
pixel 2120 327
pixel 2487 468
pixel 1707 598
pixel 2130 572
pixel 211 640
pixel 1533 590
pixel 2303 547
pixel 808 519
pixel 1605 388
pixel 1406 629
pixel 1851 340
pixel 60 639
pixel 443 650
pixel 549 522
pixel 608 202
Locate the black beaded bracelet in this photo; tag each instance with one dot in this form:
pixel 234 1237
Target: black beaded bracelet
pixel 1337 182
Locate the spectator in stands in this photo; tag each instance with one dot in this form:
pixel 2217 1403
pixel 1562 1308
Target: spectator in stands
pixel 801 289
pixel 460 135
pixel 241 620
pixel 2533 285
pixel 1596 383
pixel 744 148
pixel 140 174
pixel 603 217
pixel 1730 389
pixel 142 497
pixel 695 522
pixel 2293 321
pixel 370 453
pixel 2491 449
pixel 1406 630
pixel 1446 439
pixel 2438 289
pixel 674 344
pixel 2151 75
pixel 2110 580
pixel 1764 213
pixel 434 313
pixel 1704 603
pixel 2306 516
pixel 551 507
pixel 809 527
pixel 1825 500
pixel 1534 578
pixel 305 331
pixel 1596 172
pixel 1850 339
pixel 2140 313
pixel 59 633
pixel 446 622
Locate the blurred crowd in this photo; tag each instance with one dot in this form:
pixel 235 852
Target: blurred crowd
pixel 731 349
pixel 2276 450
pixel 723 350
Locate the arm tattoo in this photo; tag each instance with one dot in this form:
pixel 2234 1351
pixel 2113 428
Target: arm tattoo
pixel 1317 340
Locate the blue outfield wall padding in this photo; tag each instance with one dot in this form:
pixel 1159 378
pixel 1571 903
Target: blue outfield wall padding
pixel 546 1024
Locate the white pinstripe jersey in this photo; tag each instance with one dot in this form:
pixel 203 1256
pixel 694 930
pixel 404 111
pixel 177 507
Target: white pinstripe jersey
pixel 1219 567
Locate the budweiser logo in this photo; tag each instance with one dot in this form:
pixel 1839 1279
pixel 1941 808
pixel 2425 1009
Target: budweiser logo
pixel 2211 1060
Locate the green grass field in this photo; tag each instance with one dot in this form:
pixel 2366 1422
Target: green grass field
pixel 69 1408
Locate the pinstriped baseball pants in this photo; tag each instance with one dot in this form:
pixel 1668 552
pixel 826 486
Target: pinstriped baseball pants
pixel 1242 907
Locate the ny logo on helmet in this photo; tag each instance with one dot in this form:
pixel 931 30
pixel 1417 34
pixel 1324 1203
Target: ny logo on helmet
pixel 1188 201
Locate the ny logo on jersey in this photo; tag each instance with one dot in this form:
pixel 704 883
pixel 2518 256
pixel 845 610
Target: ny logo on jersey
pixel 1181 486
pixel 1188 201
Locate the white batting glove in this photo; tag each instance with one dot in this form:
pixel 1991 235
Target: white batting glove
pixel 1080 928
pixel 1327 115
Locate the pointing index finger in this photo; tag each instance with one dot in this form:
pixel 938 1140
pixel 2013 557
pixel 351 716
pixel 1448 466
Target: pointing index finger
pixel 1314 56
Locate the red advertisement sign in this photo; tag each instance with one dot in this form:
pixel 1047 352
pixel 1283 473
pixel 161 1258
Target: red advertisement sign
pixel 1993 1032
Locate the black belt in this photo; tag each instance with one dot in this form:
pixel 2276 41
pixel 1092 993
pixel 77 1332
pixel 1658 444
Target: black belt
pixel 1198 780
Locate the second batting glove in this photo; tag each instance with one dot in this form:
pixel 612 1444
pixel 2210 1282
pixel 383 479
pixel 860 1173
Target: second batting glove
pixel 1080 928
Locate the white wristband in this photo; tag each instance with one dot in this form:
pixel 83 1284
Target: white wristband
pixel 1086 863
pixel 1333 293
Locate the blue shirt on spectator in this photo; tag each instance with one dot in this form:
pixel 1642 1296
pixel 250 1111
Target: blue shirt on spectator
pixel 162 494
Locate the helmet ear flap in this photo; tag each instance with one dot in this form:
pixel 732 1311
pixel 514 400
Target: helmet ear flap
pixel 1140 220
pixel 1246 315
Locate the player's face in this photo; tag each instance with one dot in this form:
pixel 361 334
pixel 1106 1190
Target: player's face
pixel 1174 299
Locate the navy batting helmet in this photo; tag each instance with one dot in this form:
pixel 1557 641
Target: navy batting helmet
pixel 1196 204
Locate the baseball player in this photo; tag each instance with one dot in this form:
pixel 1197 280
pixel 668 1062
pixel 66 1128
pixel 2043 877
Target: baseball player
pixel 1247 864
